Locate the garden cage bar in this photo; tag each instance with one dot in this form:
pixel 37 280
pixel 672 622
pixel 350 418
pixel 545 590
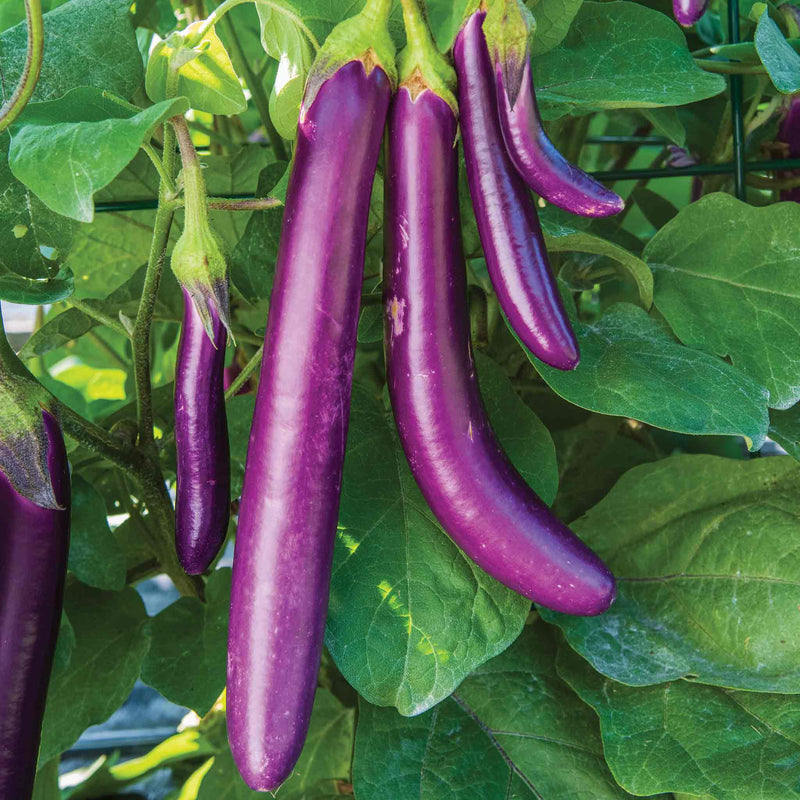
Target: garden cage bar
pixel 739 167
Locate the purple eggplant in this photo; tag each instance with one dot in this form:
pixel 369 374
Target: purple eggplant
pixel 34 544
pixel 542 167
pixel 203 497
pixel 505 212
pixel 789 133
pixel 688 12
pixel 481 501
pixel 290 498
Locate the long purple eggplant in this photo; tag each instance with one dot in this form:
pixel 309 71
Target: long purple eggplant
pixel 688 12
pixel 290 499
pixel 481 500
pixel 506 215
pixel 203 496
pixel 34 543
pixel 536 158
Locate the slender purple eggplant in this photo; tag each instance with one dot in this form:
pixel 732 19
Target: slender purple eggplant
pixel 34 543
pixel 203 496
pixel 481 501
pixel 688 12
pixel 290 499
pixel 508 28
pixel 508 224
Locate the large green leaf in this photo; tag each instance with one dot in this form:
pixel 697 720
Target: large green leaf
pixel 553 20
pixel 632 367
pixel 410 615
pixel 777 55
pixel 325 758
pixel 707 552
pixel 620 55
pixel 186 660
pixel 94 554
pixel 110 642
pixel 726 280
pixel 33 242
pixel 65 150
pixel 513 729
pixel 86 43
pixel 784 428
pixel 687 738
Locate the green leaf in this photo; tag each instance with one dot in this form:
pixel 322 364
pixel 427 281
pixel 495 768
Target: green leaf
pixel 410 615
pixel 592 456
pixel 110 642
pixel 553 19
pixel 186 661
pixel 656 208
pixel 777 55
pixel 632 367
pixel 726 280
pixel 156 15
pixel 86 43
pixel 693 739
pixel 370 322
pixel 706 551
pixel 240 419
pixel 561 238
pixel 620 55
pixel 94 554
pixel 65 150
pixel 325 756
pixel 253 258
pixel 667 122
pixel 33 243
pixel 784 428
pixel 206 76
pixel 513 729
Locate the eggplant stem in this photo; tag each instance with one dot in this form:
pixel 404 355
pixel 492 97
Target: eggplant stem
pixel 15 104
pixel 247 370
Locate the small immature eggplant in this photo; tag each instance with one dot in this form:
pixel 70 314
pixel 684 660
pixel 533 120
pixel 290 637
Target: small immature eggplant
pixel 480 499
pixel 508 224
pixel 202 506
pixel 688 12
pixel 293 475
pixel 508 27
pixel 34 543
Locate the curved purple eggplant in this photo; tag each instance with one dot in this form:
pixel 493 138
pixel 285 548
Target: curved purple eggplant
pixel 538 161
pixel 688 12
pixel 203 498
pixel 481 500
pixel 290 499
pixel 505 212
pixel 34 543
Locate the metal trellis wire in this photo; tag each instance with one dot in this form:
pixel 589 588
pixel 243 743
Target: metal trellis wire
pixel 738 167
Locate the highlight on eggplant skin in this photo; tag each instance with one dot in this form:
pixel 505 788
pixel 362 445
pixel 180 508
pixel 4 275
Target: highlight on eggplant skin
pixel 538 161
pixel 508 223
pixel 34 544
pixel 473 489
pixel 202 502
pixel 688 12
pixel 290 499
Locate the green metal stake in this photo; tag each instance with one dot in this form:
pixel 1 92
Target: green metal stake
pixel 737 114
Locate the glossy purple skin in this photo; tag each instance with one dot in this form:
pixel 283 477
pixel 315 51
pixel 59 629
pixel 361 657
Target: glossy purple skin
pixel 790 133
pixel 290 499
pixel 34 543
pixel 203 497
pixel 536 159
pixel 504 209
pixel 688 12
pixel 481 501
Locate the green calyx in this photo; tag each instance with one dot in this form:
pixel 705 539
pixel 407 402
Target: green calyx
pixel 422 65
pixel 508 27
pixel 198 258
pixel 23 439
pixel 364 37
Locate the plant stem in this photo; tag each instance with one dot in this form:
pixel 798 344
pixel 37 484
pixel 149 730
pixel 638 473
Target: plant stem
pixel 247 370
pixel 15 104
pixel 730 67
pixel 141 330
pixel 166 178
pixel 256 204
pixel 98 316
pixel 256 88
